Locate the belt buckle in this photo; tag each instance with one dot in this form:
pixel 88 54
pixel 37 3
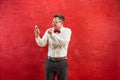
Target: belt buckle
pixel 53 59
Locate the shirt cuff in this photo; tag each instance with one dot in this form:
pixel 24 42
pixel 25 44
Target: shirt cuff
pixel 37 38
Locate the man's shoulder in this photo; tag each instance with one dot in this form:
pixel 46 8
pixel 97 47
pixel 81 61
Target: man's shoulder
pixel 66 28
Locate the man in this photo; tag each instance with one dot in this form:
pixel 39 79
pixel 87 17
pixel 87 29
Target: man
pixel 57 38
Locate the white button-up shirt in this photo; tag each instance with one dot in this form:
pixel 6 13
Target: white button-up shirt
pixel 57 42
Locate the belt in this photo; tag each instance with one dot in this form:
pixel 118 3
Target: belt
pixel 56 58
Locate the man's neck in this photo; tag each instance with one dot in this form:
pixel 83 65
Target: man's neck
pixel 58 28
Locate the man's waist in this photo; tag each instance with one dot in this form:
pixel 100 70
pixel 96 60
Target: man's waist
pixel 56 58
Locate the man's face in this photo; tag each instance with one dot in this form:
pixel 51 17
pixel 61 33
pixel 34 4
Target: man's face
pixel 57 23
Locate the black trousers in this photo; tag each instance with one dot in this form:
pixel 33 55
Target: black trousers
pixel 59 68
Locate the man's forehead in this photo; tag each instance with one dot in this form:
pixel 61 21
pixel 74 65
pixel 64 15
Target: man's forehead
pixel 55 19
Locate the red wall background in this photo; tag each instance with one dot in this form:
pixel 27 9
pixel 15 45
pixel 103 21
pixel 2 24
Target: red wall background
pixel 94 49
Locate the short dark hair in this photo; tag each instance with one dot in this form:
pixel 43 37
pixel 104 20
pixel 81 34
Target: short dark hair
pixel 61 17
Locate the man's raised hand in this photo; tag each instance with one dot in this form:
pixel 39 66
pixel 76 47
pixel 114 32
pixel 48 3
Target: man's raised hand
pixel 36 31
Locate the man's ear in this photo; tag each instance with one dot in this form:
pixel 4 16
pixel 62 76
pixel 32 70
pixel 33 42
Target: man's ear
pixel 62 22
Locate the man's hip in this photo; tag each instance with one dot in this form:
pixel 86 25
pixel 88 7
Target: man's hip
pixel 57 58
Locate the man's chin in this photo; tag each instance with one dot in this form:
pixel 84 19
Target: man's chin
pixel 55 27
